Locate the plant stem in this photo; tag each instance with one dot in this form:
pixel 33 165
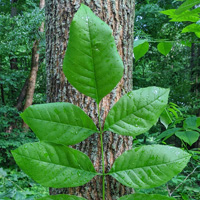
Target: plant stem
pixel 102 153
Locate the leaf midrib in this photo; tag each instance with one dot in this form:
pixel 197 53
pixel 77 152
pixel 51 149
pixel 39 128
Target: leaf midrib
pixel 149 166
pixel 92 56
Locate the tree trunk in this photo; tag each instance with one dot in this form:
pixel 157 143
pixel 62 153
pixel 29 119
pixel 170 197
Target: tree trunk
pixel 119 15
pixel 2 95
pixel 34 68
pixel 22 95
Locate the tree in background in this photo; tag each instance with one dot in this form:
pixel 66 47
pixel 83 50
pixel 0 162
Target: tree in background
pixel 120 16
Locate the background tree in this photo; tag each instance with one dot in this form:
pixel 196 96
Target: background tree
pixel 120 16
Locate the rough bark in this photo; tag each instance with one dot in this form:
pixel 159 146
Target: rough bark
pixel 34 68
pixel 119 15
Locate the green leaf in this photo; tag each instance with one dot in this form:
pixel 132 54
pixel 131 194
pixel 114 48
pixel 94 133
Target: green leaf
pixel 164 47
pixel 170 12
pixel 140 49
pixel 54 165
pixel 61 197
pixel 92 64
pixel 185 19
pixel 191 28
pixel 165 118
pixel 197 34
pixel 139 42
pixel 148 166
pixel 145 197
pixel 61 123
pixel 187 5
pixel 190 137
pixel 168 133
pixel 136 112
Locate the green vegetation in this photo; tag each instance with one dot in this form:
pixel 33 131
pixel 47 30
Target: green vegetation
pixel 166 51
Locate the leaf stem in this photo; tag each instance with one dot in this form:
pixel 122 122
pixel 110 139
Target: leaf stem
pixel 102 153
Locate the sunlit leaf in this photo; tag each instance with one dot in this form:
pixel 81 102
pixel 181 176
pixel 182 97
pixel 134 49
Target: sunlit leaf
pixel 190 137
pixel 53 165
pixel 140 50
pixel 137 111
pixel 61 123
pixel 170 12
pixel 149 166
pixel 191 28
pixel 145 197
pixel 187 5
pixel 164 47
pixel 92 64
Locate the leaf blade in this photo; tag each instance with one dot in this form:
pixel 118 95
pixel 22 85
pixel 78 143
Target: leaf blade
pixel 141 49
pixel 189 137
pixel 164 47
pixel 98 67
pixel 54 165
pixel 136 111
pixel 64 123
pixel 154 169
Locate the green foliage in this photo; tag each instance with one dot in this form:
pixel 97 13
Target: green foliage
pixel 184 13
pixel 16 185
pixel 56 165
pixel 187 5
pixel 17 36
pixel 189 132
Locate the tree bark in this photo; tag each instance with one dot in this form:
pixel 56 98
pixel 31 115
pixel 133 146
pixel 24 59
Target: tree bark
pixel 34 68
pixel 22 95
pixel 119 15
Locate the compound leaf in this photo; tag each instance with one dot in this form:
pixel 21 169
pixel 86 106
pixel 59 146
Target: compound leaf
pixel 92 64
pixel 54 165
pixel 146 197
pixel 60 123
pixel 137 111
pixel 61 197
pixel 148 166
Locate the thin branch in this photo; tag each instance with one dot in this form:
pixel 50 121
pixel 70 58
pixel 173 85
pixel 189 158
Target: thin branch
pixel 184 179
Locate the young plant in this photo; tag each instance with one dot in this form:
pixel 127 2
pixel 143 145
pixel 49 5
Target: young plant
pixel 93 66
